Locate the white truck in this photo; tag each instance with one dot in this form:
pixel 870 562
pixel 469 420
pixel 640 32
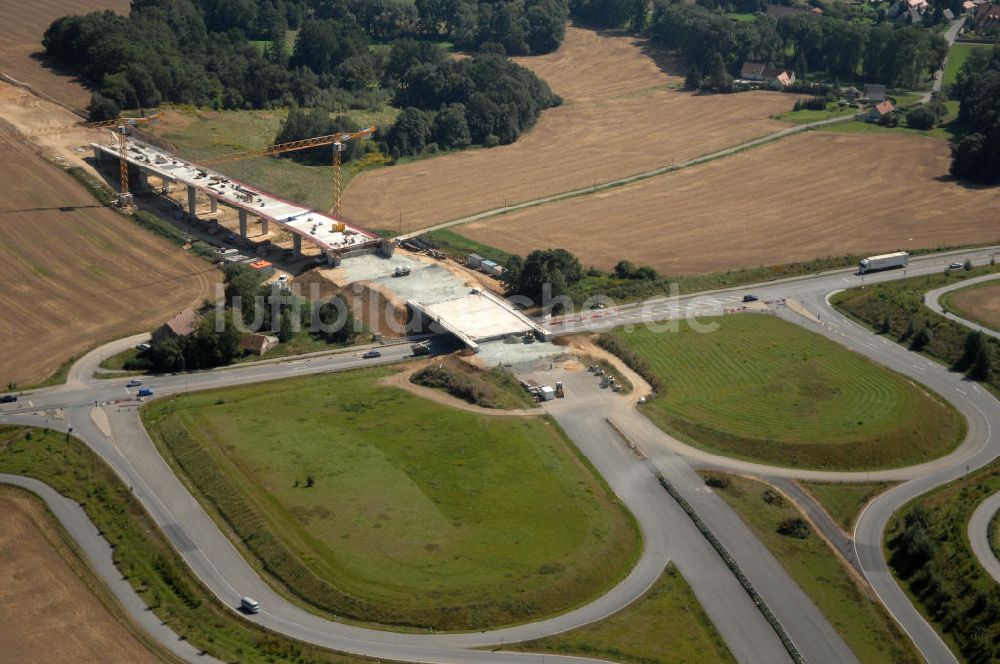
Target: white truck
pixel 883 262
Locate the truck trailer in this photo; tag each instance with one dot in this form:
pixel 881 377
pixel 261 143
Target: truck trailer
pixel 883 262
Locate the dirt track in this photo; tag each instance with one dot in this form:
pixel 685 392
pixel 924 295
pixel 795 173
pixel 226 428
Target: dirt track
pixel 618 118
pixel 47 612
pixel 812 195
pixel 21 32
pixel 980 304
pixel 76 273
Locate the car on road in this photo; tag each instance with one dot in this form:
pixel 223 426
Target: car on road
pixel 135 382
pixel 145 392
pixel 142 347
pixel 249 605
pixel 955 266
pixel 370 354
pixel 8 398
pixel 750 298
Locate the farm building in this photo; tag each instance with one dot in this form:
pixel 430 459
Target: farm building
pixel 182 325
pixel 474 261
pixel 257 344
pixel 262 267
pixel 760 72
pixel 874 93
pixel 987 19
pixel 879 111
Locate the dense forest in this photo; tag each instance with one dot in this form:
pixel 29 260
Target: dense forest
pixel 976 154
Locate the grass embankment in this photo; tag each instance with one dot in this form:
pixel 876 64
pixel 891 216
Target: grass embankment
pixel 666 625
pixel 144 556
pixel 856 614
pixel 763 389
pixel 979 303
pixel 844 501
pixel 199 135
pixel 930 553
pixel 377 505
pixel 806 115
pixel 896 309
pixel 493 388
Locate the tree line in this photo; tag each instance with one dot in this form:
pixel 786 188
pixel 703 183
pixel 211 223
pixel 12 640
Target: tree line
pixel 975 155
pixel 844 48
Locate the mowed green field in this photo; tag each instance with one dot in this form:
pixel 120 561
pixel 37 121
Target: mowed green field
pixel 666 625
pixel 957 56
pixel 419 516
pixel 767 390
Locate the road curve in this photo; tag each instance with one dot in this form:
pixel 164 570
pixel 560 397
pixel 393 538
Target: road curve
pixel 979 535
pixel 932 299
pixel 133 458
pixel 98 553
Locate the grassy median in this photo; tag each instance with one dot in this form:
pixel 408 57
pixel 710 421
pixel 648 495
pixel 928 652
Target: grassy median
pixel 843 599
pixel 666 625
pixel 369 502
pixel 766 390
pixel 843 501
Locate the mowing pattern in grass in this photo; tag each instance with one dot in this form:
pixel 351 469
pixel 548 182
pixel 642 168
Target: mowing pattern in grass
pixel 144 556
pixel 845 501
pixel 896 309
pixel 666 625
pixel 764 389
pixel 859 617
pixel 931 554
pixel 380 506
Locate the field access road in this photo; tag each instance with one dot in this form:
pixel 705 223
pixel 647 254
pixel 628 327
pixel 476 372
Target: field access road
pixel 118 437
pixel 979 535
pixel 932 299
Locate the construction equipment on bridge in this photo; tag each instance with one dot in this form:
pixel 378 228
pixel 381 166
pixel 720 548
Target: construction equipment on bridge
pixel 120 128
pixel 336 140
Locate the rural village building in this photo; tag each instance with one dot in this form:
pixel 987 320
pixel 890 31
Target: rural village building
pixel 760 72
pixel 879 111
pixel 182 325
pixel 257 344
pixel 874 93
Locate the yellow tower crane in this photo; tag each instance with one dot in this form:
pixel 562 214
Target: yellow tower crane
pixel 120 128
pixel 337 141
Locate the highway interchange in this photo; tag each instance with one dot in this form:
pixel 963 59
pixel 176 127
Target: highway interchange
pixel 114 431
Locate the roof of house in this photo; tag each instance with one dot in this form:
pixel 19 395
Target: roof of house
pixel 184 323
pixel 884 108
pixel 988 13
pixel 257 343
pixel 875 91
pixel 260 264
pixel 968 4
pixel 784 78
pixel 752 70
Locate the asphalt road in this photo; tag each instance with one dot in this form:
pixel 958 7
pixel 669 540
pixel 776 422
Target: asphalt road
pixel 215 560
pixel 979 535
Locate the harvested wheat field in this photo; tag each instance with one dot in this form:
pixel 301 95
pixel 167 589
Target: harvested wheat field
pixel 811 195
pixel 618 118
pixel 21 51
pixel 76 273
pixel 48 613
pixel 980 304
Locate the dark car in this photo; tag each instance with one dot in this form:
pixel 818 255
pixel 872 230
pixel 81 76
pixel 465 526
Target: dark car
pixel 750 298
pixel 372 353
pixel 8 398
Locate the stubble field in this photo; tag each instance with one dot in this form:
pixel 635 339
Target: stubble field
pixel 980 303
pixel 813 195
pixel 21 31
pixel 47 611
pixel 76 273
pixel 618 118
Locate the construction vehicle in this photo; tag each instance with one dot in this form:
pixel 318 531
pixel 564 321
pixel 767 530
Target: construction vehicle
pixel 559 390
pixel 336 140
pixel 421 348
pixel 121 128
pixel 401 271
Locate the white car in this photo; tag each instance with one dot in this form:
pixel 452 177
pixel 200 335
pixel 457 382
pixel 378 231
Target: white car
pixel 955 266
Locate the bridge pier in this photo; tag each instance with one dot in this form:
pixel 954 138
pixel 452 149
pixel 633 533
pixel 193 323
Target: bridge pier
pixel 264 224
pixel 297 245
pixel 143 180
pixel 214 202
pixel 243 223
pixel 192 202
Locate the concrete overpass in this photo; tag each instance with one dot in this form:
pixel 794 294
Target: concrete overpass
pixel 477 317
pixel 334 238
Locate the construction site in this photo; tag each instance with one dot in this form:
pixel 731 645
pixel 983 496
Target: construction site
pixel 431 298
